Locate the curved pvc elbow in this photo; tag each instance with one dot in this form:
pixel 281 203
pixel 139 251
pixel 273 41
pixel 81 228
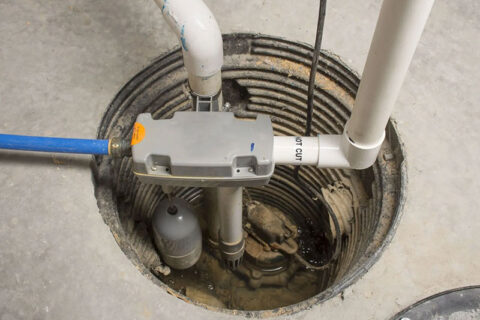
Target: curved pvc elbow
pixel 360 156
pixel 339 151
pixel 199 34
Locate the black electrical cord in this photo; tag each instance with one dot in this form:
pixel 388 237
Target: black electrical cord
pixel 308 130
pixel 313 69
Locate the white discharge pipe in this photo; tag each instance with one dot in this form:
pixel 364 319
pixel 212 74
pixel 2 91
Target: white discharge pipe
pixel 323 151
pixel 396 36
pixel 300 150
pixel 399 27
pixel 201 41
pixel 230 209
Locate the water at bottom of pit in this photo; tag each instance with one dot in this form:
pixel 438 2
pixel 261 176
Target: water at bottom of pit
pixel 209 283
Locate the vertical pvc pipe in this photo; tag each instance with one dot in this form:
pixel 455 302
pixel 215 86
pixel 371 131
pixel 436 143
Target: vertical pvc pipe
pixel 230 208
pixel 396 36
pixel 232 244
pixel 399 27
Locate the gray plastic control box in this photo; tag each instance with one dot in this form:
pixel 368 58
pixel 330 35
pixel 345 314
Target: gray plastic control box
pixel 205 149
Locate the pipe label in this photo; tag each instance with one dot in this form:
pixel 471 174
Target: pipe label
pixel 298 149
pixel 138 133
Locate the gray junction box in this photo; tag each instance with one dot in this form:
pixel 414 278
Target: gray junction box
pixel 204 149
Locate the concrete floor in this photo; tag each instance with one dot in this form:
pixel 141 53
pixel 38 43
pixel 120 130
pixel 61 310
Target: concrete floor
pixel 62 62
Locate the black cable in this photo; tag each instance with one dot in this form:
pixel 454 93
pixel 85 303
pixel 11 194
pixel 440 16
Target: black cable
pixel 308 130
pixel 313 69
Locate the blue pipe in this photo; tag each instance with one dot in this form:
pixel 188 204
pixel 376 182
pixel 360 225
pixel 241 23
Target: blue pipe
pixel 48 144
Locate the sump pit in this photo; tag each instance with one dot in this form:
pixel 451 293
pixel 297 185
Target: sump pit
pixel 262 75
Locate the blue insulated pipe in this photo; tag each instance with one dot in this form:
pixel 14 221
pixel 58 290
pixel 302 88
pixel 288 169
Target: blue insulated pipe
pixel 48 144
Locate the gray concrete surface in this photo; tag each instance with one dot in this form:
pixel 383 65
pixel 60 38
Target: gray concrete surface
pixel 61 63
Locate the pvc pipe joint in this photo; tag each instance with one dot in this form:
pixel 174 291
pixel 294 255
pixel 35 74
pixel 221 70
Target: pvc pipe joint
pixel 201 41
pixel 360 156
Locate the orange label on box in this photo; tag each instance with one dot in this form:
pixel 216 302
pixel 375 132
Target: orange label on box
pixel 138 133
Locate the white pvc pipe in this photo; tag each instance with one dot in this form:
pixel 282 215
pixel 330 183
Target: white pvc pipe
pixel 201 40
pixel 295 150
pixel 323 151
pixel 397 33
pixel 230 210
pixel 330 152
pixel 396 36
